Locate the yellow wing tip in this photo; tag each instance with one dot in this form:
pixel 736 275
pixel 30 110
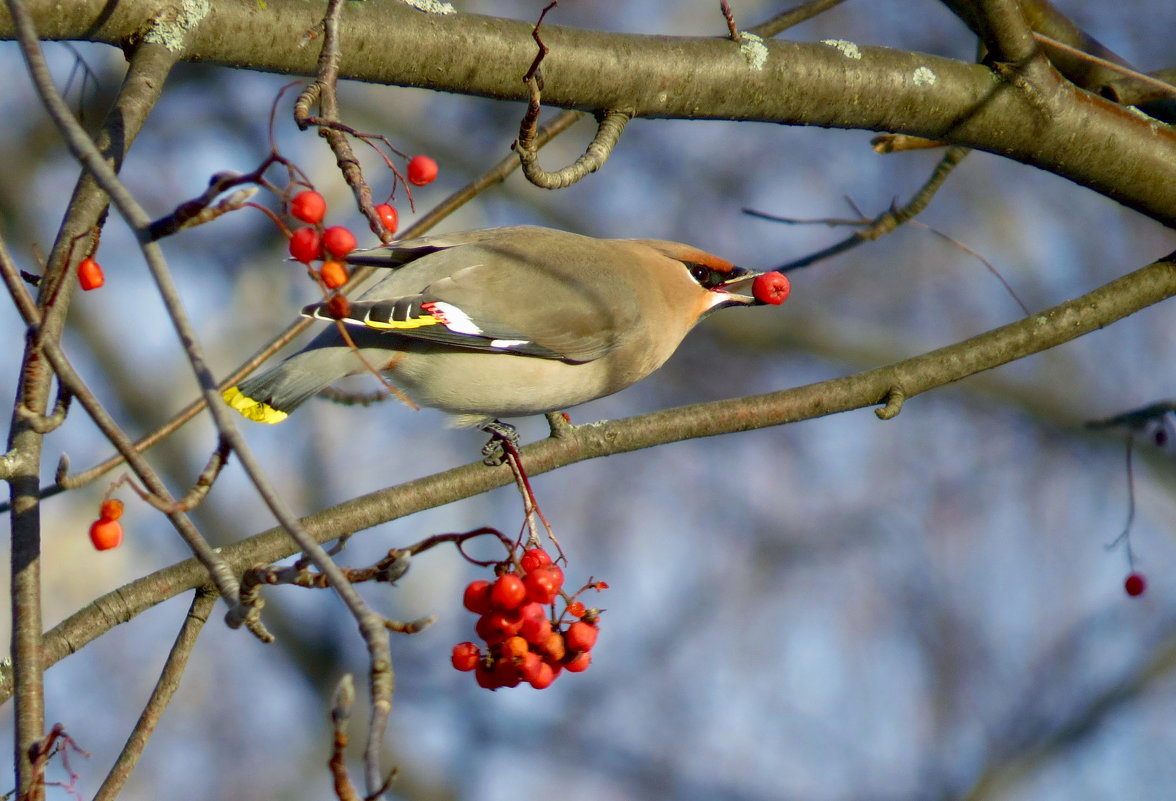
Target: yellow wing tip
pixel 253 410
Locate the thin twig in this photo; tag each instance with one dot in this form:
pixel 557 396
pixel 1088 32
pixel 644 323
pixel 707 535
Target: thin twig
pixel 1049 328
pixel 1162 88
pixel 165 687
pixel 609 126
pixel 884 223
pixel 495 175
pixel 793 16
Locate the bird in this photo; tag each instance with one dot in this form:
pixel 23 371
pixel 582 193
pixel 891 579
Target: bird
pixel 509 322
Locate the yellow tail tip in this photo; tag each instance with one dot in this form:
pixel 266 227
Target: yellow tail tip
pixel 253 410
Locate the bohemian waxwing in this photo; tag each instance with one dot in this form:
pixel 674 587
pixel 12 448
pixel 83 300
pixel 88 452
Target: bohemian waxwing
pixel 508 322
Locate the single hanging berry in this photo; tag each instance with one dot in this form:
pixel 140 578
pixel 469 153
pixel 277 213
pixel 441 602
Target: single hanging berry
pixel 90 274
pixel 1135 584
pixel 106 534
pixel 421 170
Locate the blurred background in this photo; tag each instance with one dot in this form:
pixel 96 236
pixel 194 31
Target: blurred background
pixel 842 608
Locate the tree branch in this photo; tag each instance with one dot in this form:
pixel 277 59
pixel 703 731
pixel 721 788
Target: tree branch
pixel 1090 312
pixel 1115 152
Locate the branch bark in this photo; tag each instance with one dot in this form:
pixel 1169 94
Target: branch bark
pixel 1072 133
pixel 1090 312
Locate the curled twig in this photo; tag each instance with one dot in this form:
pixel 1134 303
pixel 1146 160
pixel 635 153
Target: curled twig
pixel 45 423
pixel 609 126
pixel 195 495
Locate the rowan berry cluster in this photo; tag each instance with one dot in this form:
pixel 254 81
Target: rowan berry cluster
pixel 315 243
pixel 331 245
pixel 524 640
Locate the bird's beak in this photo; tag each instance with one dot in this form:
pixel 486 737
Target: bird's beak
pixel 737 288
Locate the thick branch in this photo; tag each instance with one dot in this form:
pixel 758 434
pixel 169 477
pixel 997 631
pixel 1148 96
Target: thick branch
pixel 1081 137
pixel 1091 312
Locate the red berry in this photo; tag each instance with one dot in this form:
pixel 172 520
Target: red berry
pixel 534 558
pixel 465 656
pixel 306 245
pixel 339 241
pixel 541 677
pixel 338 307
pixel 110 510
pixel 388 216
pixel 106 534
pixel 309 207
pixel 90 274
pixel 543 583
pixel 576 609
pixel 536 628
pixel 508 592
pixel 581 636
pixel 1135 584
pixel 497 625
pixel 485 677
pixel 771 288
pixel 334 274
pixel 477 597
pixel 579 662
pixel 421 170
pixel 507 673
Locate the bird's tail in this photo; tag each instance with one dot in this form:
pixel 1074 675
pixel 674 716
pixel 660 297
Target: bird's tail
pixel 271 396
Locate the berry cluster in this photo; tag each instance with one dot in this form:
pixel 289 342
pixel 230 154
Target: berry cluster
pixel 332 245
pixel 106 532
pixel 314 243
pixel 524 641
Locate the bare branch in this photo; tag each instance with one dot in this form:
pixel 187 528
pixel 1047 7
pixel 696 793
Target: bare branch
pixel 1090 312
pixel 165 688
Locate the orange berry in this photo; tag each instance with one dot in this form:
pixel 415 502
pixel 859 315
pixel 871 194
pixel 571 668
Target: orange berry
pixel 514 647
pixel 106 534
pixel 90 274
pixel 554 647
pixel 334 274
pixel 576 609
pixel 110 510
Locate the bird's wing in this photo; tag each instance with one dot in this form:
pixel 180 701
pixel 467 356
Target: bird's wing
pixel 485 297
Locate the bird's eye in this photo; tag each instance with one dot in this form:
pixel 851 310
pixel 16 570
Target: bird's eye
pixel 701 273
